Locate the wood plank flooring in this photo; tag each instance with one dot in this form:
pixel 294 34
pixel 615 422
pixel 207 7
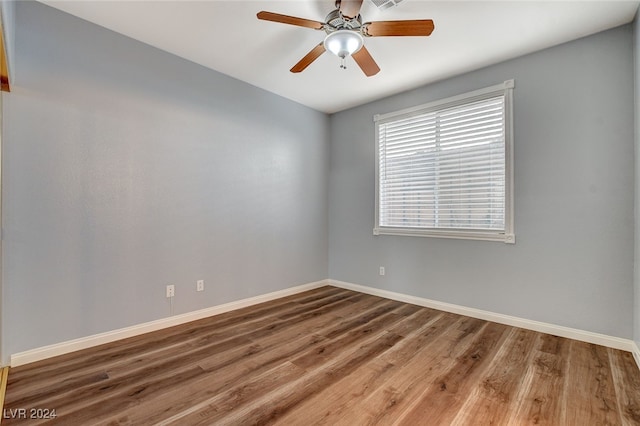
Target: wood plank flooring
pixel 334 357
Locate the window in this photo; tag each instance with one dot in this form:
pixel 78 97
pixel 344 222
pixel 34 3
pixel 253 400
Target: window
pixel 445 169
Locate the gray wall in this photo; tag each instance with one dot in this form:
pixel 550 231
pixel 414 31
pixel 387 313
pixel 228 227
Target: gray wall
pixel 127 168
pixel 572 264
pixel 636 276
pixel 7 9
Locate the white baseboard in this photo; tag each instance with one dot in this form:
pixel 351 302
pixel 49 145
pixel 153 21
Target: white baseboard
pixel 557 330
pixel 636 353
pixel 49 351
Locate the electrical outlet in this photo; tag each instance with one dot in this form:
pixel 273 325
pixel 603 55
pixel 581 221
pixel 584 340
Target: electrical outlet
pixel 381 270
pixel 171 290
pixel 200 285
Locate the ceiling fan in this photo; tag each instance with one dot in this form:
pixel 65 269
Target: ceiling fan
pixel 346 31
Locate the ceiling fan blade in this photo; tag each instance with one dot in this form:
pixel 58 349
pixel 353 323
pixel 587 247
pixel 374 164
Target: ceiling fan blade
pixel 291 20
pixel 350 8
pixel 365 61
pixel 309 58
pixel 417 27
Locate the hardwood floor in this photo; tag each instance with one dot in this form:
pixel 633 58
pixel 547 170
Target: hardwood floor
pixel 335 357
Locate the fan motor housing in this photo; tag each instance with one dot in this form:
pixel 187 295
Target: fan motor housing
pixel 336 21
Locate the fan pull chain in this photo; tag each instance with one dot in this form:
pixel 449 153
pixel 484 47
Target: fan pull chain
pixel 343 63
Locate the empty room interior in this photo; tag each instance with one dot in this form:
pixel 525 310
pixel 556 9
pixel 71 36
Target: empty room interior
pixel 317 212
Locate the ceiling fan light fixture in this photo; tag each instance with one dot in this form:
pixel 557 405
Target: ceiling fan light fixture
pixel 343 43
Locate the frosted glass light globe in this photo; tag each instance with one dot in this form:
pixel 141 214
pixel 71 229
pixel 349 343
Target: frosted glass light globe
pixel 343 43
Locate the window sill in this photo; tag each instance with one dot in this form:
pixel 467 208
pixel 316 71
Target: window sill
pixel 456 234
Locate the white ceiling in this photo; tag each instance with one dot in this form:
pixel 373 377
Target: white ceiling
pixel 227 37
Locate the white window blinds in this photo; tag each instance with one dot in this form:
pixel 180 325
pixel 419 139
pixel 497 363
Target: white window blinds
pixel 444 168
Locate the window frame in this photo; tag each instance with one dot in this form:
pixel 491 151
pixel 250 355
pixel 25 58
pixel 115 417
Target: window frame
pixel 508 235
